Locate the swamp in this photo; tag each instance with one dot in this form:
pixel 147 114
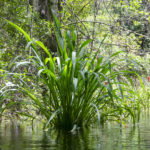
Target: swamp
pixel 74 74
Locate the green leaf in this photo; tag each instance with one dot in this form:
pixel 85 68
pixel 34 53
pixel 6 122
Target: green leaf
pixel 84 44
pixel 21 30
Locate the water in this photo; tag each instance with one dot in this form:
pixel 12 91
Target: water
pixel 20 136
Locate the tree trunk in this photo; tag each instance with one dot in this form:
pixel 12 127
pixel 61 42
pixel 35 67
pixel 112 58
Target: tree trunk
pixel 46 8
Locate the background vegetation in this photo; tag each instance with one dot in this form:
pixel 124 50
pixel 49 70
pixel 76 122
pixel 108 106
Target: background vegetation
pixel 117 38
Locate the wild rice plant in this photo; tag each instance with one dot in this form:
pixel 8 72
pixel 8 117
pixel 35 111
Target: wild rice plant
pixel 79 84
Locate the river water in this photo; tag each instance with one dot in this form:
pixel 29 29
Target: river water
pixel 21 136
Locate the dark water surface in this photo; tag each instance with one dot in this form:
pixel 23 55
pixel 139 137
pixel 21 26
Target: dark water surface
pixel 20 136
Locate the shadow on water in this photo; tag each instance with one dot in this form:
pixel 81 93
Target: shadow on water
pixel 20 136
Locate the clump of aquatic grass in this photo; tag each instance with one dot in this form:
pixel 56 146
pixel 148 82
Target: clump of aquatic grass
pixel 79 85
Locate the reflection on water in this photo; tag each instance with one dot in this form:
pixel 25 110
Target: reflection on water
pixel 20 136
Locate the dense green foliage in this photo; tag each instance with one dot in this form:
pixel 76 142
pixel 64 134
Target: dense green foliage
pixel 92 64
